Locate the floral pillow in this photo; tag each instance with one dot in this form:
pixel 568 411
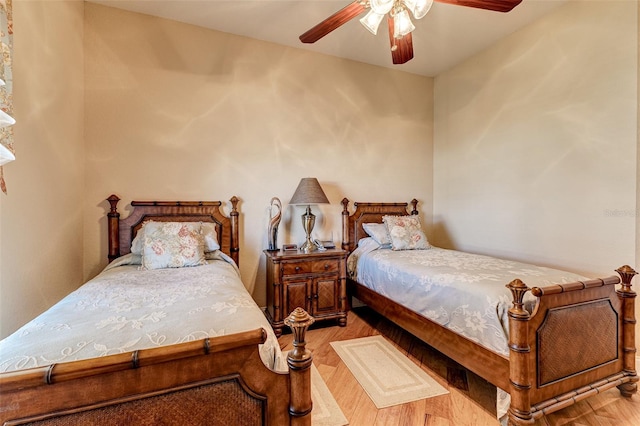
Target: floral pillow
pixel 172 245
pixel 406 233
pixel 377 231
pixel 208 230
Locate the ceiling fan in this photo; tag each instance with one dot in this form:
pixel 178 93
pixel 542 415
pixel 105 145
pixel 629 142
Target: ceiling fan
pixel 398 20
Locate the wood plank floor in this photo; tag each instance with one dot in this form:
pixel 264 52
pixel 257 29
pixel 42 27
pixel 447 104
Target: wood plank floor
pixel 471 400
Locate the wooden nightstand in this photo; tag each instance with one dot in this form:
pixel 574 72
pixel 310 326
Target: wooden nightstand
pixel 314 281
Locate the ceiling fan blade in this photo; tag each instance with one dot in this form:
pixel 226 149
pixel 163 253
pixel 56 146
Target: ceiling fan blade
pixel 401 48
pixel 334 21
pixel 495 5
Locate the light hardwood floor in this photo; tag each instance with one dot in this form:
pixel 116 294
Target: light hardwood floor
pixel 471 400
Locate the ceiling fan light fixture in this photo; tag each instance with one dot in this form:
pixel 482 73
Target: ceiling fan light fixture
pixel 371 21
pixel 381 7
pixel 402 24
pixel 398 20
pixel 419 8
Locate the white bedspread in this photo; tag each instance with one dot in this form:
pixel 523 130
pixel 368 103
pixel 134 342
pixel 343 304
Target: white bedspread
pixel 125 309
pixel 461 291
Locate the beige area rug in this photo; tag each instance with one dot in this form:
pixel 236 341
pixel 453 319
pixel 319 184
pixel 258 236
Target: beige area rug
pixel 388 377
pixel 326 411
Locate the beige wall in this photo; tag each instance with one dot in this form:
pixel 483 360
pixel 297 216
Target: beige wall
pixel 175 111
pixel 163 92
pixel 536 143
pixel 41 217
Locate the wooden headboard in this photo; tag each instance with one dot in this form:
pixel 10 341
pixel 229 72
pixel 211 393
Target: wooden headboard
pixel 122 232
pixel 352 230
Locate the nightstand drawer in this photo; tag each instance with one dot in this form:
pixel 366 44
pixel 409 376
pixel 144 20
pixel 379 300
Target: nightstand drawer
pixel 296 268
pixel 321 266
pixel 313 267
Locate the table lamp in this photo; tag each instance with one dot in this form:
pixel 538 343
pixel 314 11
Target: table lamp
pixel 307 193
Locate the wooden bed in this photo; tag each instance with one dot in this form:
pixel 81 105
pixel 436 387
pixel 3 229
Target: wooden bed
pixel 535 374
pixel 214 381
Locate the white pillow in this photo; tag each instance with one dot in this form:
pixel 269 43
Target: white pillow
pixel 377 231
pixel 172 245
pixel 406 233
pixel 208 230
pixel 210 236
pixel 136 244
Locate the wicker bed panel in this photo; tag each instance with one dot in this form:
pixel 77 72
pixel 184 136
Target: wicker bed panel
pixel 217 403
pixel 563 358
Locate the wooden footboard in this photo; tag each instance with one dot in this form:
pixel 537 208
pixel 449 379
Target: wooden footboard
pixel 578 341
pixel 216 381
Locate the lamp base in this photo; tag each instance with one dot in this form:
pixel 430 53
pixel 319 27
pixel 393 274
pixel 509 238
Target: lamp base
pixel 308 246
pixel 308 220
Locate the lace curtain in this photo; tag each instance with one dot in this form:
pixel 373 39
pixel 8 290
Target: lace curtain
pixel 6 91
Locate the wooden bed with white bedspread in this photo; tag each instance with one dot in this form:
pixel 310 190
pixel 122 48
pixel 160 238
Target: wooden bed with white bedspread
pixel 155 351
pixel 563 342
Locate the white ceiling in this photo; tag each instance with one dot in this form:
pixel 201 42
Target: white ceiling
pixel 446 36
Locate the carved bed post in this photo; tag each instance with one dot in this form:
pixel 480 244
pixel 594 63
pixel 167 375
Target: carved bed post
pixel 299 361
pixel 235 238
pixel 113 224
pixel 519 350
pixel 627 298
pixel 345 224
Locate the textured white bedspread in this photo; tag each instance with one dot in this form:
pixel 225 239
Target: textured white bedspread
pixel 125 309
pixel 461 291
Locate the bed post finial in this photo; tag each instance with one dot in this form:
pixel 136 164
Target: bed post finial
pixel 299 361
pixel 235 234
pixel 234 204
pixel 113 224
pixel 627 297
pixel 345 224
pixel 519 351
pixel 414 207
pixel 626 273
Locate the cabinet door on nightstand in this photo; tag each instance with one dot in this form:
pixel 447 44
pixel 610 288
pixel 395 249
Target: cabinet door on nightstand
pixel 297 293
pixel 325 295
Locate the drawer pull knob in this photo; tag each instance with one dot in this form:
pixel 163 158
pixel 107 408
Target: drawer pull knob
pixel 297 268
pixel 326 266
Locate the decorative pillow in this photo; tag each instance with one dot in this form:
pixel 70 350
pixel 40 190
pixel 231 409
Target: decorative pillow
pixel 172 245
pixel 136 244
pixel 138 240
pixel 406 233
pixel 377 231
pixel 210 236
pixel 208 230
